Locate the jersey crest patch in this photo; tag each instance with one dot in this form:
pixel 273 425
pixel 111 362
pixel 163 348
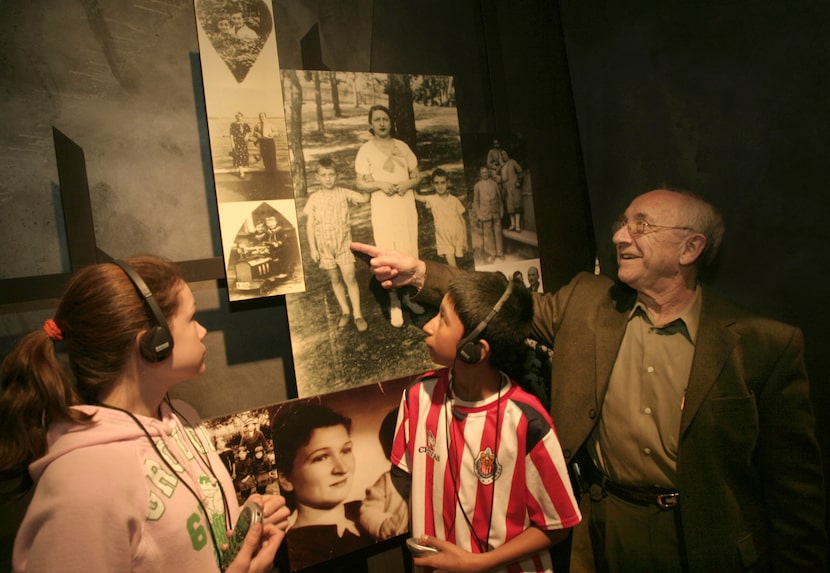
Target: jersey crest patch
pixel 487 466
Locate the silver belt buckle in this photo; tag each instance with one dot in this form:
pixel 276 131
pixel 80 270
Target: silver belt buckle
pixel 668 500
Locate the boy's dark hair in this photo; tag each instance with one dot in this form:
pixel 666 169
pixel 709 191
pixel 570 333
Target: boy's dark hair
pixel 327 163
pixel 474 295
pixel 439 173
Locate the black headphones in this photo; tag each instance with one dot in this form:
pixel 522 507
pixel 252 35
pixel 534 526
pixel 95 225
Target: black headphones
pixel 469 348
pixel 157 343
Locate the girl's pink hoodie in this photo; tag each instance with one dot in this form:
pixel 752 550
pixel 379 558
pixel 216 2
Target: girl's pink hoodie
pixel 106 501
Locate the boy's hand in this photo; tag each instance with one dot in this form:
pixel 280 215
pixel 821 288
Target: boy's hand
pixel 450 557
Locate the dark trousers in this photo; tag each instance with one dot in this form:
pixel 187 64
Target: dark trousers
pixel 629 538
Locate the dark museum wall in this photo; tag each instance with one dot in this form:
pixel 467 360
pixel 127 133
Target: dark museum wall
pixel 729 99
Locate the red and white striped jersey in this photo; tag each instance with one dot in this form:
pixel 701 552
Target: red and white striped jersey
pixel 482 472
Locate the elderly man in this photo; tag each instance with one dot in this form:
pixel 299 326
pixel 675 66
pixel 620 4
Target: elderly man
pixel 688 419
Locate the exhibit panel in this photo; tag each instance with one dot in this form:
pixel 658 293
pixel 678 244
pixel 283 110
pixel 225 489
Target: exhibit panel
pixel 249 150
pixel 720 109
pixel 251 364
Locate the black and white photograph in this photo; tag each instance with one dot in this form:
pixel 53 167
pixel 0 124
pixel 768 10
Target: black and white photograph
pixel 328 455
pixel 262 249
pixel 248 144
pixel 250 153
pixel 376 158
pixel 243 442
pixel 528 272
pixel 502 216
pixel 237 31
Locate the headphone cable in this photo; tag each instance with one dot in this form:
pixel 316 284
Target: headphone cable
pixel 483 547
pixel 169 465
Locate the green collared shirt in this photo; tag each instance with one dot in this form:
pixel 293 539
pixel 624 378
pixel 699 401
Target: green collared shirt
pixel 636 439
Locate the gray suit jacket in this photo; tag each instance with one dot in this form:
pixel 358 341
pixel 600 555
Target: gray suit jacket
pixel 749 470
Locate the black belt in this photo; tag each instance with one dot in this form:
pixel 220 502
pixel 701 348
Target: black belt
pixel 664 498
pixel 661 497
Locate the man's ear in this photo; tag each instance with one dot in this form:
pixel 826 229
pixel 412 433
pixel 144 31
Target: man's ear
pixel 693 247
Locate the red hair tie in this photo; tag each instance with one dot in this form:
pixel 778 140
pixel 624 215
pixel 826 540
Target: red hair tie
pixel 52 329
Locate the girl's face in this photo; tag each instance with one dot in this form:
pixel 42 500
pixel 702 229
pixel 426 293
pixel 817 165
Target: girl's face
pixel 323 469
pixel 188 357
pixel 381 123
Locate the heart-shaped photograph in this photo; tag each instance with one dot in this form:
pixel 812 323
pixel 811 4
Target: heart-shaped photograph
pixel 237 31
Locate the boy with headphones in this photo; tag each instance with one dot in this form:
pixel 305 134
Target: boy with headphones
pixel 476 455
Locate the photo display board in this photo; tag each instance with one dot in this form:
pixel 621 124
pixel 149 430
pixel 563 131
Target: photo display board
pixel 454 200
pixel 246 125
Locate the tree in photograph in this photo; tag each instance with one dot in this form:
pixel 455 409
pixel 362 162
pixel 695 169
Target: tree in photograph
pixel 335 95
pixel 399 90
pixel 434 90
pixel 318 99
pixel 293 93
pixel 353 78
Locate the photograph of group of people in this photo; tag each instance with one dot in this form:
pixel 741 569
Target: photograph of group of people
pixel 502 216
pixel 244 445
pixel 238 31
pixel 379 158
pixel 248 144
pixel 329 457
pixel 263 251
pixel 531 276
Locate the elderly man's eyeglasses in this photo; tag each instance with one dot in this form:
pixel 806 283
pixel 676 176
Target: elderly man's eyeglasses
pixel 639 228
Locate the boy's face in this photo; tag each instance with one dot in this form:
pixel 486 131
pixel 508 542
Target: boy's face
pixel 271 222
pixel 484 172
pixel 444 332
pixel 440 184
pixel 327 177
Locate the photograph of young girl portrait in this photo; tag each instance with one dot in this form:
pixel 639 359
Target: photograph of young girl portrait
pixel 329 457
